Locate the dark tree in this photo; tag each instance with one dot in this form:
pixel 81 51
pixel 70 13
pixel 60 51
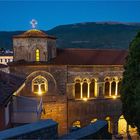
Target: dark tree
pixel 130 89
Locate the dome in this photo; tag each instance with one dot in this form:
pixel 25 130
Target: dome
pixel 34 33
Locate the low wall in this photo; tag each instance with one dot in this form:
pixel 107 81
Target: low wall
pixel 43 129
pixel 97 130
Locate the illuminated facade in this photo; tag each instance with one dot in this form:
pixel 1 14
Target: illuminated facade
pixel 5 58
pixel 78 86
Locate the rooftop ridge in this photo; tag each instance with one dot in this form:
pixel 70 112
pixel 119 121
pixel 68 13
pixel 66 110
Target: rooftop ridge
pixel 96 49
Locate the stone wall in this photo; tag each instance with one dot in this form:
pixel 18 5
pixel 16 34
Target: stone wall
pixel 56 109
pixel 59 102
pixel 55 74
pixel 86 111
pixel 98 130
pixel 25 48
pixel 98 107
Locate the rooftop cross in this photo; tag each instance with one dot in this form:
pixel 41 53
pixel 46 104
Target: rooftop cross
pixel 33 22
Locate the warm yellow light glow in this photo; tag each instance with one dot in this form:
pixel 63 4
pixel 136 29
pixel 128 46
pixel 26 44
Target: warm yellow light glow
pixel 39 90
pixel 77 124
pixel 114 97
pixel 122 125
pixel 37 55
pixel 93 120
pixel 85 99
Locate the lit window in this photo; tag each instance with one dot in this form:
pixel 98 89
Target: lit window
pixel 85 89
pixel 119 87
pixel 107 87
pixel 113 88
pixel 77 89
pixel 37 55
pixel 92 88
pixel 39 85
pixel 77 124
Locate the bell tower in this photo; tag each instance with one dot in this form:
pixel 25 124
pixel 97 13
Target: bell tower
pixel 34 45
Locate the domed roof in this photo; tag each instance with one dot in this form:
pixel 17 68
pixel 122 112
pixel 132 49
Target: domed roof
pixel 34 33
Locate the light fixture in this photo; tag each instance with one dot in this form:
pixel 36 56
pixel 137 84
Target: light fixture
pixel 114 97
pixel 85 99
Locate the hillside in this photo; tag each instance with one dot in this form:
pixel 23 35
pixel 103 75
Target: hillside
pixel 86 35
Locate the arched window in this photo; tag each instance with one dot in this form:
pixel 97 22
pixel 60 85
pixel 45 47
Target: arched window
pixel 119 87
pixel 92 88
pixel 113 87
pixel 85 89
pixel 37 54
pixel 39 85
pixel 76 124
pixel 77 89
pixel 123 126
pixel 107 87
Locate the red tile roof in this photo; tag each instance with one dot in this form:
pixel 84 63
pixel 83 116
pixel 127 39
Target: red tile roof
pixel 90 57
pixel 8 85
pixel 34 34
pixel 83 57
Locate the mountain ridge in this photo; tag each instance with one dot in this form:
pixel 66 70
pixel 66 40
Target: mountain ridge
pixel 101 35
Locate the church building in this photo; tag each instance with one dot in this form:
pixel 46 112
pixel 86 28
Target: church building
pixel 74 87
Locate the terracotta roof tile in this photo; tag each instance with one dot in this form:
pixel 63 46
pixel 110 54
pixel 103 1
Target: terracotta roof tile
pixel 34 34
pixel 83 57
pixel 90 57
pixel 8 85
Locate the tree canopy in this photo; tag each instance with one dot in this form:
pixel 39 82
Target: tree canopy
pixel 130 89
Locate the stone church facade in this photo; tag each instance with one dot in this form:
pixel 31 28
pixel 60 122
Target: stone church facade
pixel 78 86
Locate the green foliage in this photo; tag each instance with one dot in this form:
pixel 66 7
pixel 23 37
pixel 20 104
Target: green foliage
pixel 130 89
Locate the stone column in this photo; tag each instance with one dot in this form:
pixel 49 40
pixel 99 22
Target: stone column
pixel 116 90
pixel 88 90
pixel 96 90
pixel 81 90
pixel 110 88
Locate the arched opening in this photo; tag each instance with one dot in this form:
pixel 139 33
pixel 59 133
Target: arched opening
pixel 109 124
pixel 76 124
pixel 119 87
pixel 92 88
pixel 85 89
pixel 39 85
pixel 37 54
pixel 113 88
pixel 94 120
pixel 107 87
pixel 77 89
pixel 123 126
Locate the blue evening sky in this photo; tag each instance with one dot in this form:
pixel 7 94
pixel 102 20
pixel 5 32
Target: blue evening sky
pixel 16 15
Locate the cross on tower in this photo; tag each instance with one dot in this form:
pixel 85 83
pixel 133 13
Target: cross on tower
pixel 33 22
